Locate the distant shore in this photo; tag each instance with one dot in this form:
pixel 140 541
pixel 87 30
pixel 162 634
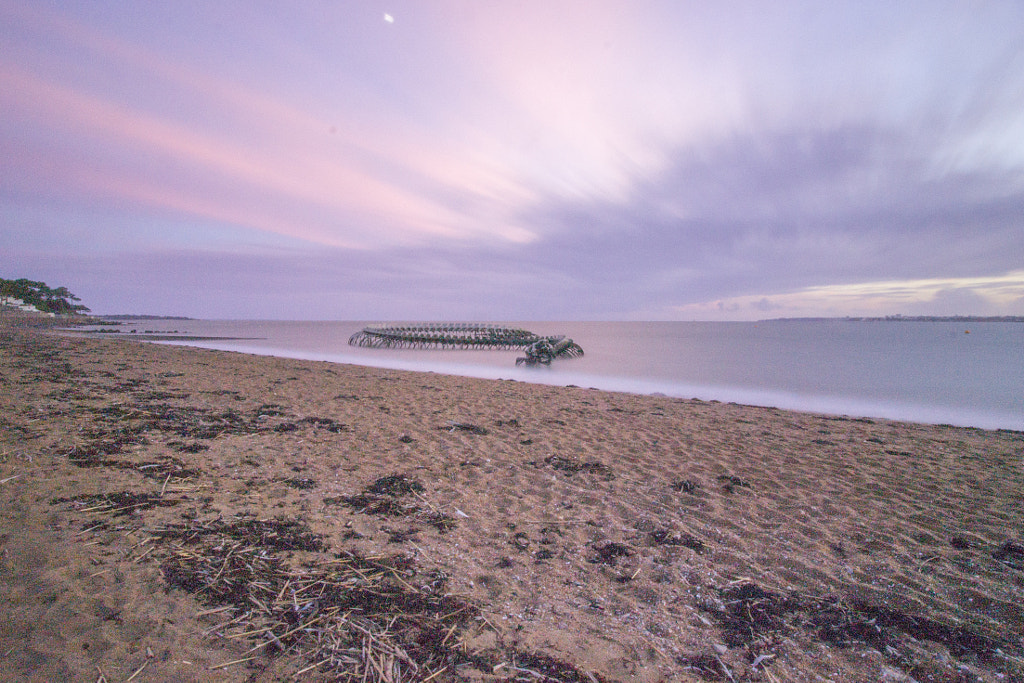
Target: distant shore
pixel 580 534
pixel 921 319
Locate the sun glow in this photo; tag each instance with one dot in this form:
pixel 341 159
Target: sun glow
pixel 926 296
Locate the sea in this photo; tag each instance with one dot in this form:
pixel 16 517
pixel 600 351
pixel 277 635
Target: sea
pixel 968 374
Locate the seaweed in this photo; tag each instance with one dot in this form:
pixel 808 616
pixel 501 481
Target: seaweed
pixel 609 553
pixel 278 534
pixel 520 540
pixel 401 535
pixel 571 466
pixel 394 485
pixel 666 537
pixel 192 422
pixel 749 613
pixel 686 486
pixel 542 668
pixel 301 484
pixel 961 543
pixel 91 455
pixel 464 427
pixel 1011 554
pixel 163 469
pixel 118 504
pixel 325 423
pixel 708 666
pixel 194 447
pixel 372 505
pixel 358 618
pixel 384 497
pixel 731 482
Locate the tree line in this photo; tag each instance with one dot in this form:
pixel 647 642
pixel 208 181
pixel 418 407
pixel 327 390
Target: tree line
pixel 49 300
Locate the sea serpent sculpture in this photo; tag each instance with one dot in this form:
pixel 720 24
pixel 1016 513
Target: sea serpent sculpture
pixel 539 350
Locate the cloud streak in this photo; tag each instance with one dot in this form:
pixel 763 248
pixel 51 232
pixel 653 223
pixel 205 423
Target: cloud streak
pixel 563 160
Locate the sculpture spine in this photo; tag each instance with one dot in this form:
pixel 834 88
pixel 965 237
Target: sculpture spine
pixel 538 349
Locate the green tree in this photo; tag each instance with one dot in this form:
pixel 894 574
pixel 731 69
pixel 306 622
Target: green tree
pixel 58 301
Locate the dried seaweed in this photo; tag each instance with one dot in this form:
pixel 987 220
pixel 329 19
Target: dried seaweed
pixel 686 485
pixel 301 484
pixel 325 423
pixel 374 505
pixel 464 427
pixel 609 553
pixel 394 485
pixel 162 469
pixel 276 534
pixel 708 666
pixel 386 496
pixel 1011 554
pixel 117 504
pixel 540 668
pixel 749 613
pixel 194 447
pixel 189 421
pixel 667 537
pixel 91 455
pixel 357 619
pixel 571 466
pixel 731 482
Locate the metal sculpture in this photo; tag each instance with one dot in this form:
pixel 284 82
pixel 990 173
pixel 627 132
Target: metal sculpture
pixel 539 350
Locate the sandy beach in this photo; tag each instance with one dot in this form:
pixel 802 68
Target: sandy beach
pixel 177 514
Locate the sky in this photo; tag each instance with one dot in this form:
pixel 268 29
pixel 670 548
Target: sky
pixel 520 160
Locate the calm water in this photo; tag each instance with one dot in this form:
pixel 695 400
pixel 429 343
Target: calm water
pixel 920 371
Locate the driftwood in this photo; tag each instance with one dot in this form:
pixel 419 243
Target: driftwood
pixel 539 350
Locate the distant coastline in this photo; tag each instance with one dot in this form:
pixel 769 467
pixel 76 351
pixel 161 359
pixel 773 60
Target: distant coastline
pixel 887 318
pixel 918 319
pixel 126 316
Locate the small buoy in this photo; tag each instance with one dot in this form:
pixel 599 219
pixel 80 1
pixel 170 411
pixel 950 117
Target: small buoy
pixel 967 331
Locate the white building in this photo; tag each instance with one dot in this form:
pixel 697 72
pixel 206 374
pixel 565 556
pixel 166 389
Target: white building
pixel 20 305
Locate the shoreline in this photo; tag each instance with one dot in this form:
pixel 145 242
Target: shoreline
pixel 837 406
pixel 592 535
pixel 949 401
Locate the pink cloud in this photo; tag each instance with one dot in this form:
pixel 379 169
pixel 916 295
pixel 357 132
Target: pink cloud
pixel 377 177
pixel 288 170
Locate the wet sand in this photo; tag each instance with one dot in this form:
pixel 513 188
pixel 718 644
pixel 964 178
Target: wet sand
pixel 179 514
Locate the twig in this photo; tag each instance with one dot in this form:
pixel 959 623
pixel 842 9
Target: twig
pixel 285 635
pixel 535 674
pixel 725 668
pixel 232 663
pixel 245 634
pixel 240 617
pixel 140 557
pixel 137 671
pixel 450 632
pixel 435 674
pixel 309 668
pixel 553 521
pixel 428 503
